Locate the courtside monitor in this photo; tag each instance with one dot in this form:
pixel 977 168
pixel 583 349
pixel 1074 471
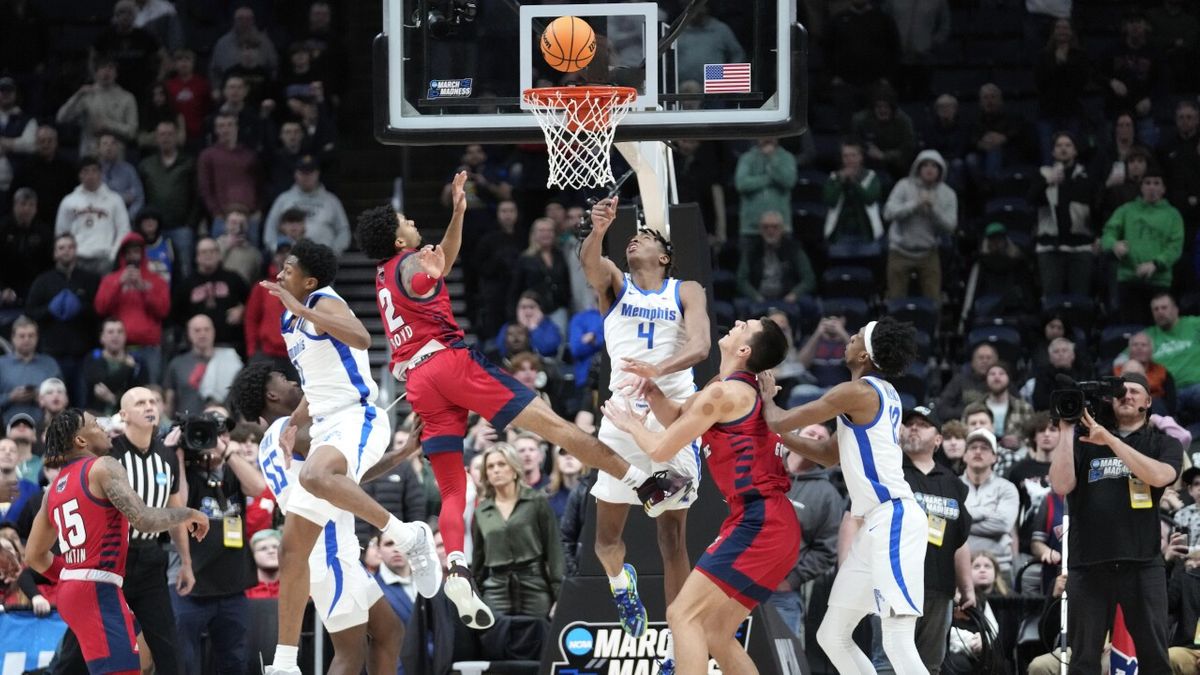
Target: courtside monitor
pixel 454 71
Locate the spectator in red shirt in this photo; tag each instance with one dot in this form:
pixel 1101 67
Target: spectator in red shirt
pixel 141 300
pixel 190 95
pixel 263 314
pixel 264 544
pixel 228 175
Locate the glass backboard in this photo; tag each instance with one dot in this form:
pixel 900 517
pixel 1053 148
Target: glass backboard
pixel 452 71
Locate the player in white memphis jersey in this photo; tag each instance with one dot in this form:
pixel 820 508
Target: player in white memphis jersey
pixel 655 328
pixel 328 346
pixel 885 570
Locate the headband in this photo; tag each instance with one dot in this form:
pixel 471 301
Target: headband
pixel 870 328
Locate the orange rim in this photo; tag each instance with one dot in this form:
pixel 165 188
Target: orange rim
pixel 555 96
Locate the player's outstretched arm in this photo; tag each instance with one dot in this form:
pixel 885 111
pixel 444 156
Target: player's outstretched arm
pixel 823 452
pixel 41 539
pixel 114 482
pixel 706 409
pixel 830 405
pixel 334 317
pixel 452 239
pixel 698 334
pixel 602 274
pixel 394 458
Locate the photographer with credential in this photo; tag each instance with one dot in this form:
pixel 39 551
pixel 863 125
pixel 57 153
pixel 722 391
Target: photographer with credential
pixel 218 482
pixel 1113 478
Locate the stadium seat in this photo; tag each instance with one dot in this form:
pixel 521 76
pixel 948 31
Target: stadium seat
pixel 1114 340
pixel 848 281
pixel 829 374
pixel 924 346
pixel 1006 340
pixel 1016 213
pixel 1078 310
pixel 854 309
pixel 858 254
pixel 914 381
pixel 922 312
pixel 1014 181
pixel 810 185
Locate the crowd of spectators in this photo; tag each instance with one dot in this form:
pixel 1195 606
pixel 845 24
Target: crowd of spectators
pixel 1035 215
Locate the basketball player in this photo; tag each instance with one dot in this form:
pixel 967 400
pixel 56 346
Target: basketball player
pixel 328 346
pixel 88 510
pixel 885 570
pixel 446 379
pixel 344 594
pixel 760 540
pixel 655 327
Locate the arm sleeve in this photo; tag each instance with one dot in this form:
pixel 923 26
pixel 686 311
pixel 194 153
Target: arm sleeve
pixel 158 298
pixel 746 177
pixel 1172 245
pixel 945 209
pixel 106 295
pixel 900 203
pixel 782 169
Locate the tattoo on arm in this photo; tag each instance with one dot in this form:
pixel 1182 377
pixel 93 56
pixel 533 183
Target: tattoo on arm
pixel 408 269
pixel 120 493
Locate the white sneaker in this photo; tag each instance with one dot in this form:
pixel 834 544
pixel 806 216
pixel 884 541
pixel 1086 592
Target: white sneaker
pixel 423 561
pixel 274 670
pixel 460 588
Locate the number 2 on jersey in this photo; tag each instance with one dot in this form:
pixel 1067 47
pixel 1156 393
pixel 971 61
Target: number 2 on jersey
pixel 397 331
pixel 646 330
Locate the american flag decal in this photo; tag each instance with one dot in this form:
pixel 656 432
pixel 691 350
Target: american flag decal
pixel 723 78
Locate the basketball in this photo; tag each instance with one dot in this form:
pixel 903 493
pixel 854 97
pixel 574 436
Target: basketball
pixel 568 44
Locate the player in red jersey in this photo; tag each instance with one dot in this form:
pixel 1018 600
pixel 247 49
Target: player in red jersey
pixel 760 540
pixel 446 380
pixel 88 510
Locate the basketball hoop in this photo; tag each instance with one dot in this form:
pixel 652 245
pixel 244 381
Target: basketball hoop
pixel 579 124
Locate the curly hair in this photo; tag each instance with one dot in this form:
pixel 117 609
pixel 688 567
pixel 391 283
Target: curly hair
pixel 60 436
pixel 768 347
pixel 665 245
pixel 317 260
pixel 377 232
pixel 248 393
pixel 894 345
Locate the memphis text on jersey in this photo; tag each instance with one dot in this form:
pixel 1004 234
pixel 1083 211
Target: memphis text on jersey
pixel 648 313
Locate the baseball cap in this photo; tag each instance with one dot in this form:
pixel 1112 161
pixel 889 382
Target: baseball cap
pixel 1138 379
pixel 307 163
pixel 924 412
pixel 982 434
pixel 22 418
pixel 995 230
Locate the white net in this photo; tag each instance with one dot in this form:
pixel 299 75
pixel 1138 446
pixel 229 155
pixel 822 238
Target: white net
pixel 579 124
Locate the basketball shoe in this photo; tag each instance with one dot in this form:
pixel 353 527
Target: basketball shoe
pixel 664 490
pixel 421 552
pixel 461 589
pixel 630 609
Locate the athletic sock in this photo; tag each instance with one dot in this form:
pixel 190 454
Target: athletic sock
pixel 457 557
pixel 619 582
pixel 634 477
pixel 285 657
pixel 404 534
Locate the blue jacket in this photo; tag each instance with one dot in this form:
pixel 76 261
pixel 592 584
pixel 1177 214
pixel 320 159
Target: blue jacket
pixel 587 321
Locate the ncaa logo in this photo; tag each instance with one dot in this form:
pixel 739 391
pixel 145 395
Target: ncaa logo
pixel 579 641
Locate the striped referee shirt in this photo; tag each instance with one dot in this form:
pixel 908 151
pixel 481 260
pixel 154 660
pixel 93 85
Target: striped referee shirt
pixel 153 473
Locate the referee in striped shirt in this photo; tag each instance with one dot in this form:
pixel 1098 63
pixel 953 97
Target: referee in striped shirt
pixel 154 473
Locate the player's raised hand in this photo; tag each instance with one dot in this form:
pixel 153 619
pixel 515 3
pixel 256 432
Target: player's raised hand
pixel 413 444
pixel 622 416
pixel 603 214
pixel 196 524
pixel 432 260
pixel 634 387
pixel 290 303
pixel 458 192
pixel 641 369
pixel 767 386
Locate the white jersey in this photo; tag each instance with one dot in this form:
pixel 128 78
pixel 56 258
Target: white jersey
pixel 333 375
pixel 870 455
pixel 648 326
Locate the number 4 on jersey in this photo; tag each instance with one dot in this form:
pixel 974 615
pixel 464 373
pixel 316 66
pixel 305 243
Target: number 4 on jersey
pixel 646 330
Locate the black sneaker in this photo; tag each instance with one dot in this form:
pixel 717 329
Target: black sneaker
pixel 460 588
pixel 664 490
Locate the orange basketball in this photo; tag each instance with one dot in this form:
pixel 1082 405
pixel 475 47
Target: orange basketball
pixel 568 44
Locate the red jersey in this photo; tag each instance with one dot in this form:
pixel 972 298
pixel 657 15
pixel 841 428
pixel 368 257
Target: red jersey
pixel 92 533
pixel 412 322
pixel 742 455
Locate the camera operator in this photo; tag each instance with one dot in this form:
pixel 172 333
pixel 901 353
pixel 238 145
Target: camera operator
pixel 1113 480
pixel 154 475
pixel 218 482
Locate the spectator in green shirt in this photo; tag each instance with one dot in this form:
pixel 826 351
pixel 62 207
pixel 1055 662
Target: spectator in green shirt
pixel 774 272
pixel 1177 346
pixel 764 179
pixel 852 194
pixel 1146 236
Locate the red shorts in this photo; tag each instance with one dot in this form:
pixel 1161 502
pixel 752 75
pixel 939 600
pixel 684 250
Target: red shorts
pixel 449 385
pixel 100 619
pixel 754 553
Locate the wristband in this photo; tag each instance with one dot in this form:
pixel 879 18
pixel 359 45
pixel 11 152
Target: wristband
pixel 422 283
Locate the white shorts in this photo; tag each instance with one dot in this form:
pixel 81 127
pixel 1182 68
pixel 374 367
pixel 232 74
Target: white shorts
pixel 885 571
pixel 361 433
pixel 342 591
pixel 610 489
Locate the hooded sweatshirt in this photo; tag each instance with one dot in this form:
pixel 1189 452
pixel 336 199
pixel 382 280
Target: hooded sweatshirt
pixel 98 220
pixel 915 230
pixel 1154 233
pixel 142 310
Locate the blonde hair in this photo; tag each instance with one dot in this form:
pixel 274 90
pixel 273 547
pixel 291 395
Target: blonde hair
pixel 556 475
pixel 999 586
pixel 534 249
pixel 509 453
